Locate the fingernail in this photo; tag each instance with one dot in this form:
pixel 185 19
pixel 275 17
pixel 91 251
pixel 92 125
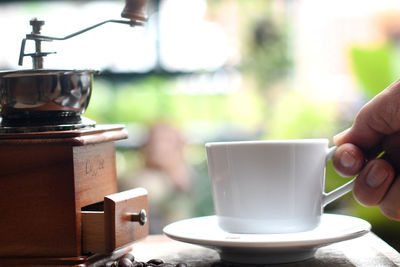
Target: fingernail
pixel 347 159
pixel 376 176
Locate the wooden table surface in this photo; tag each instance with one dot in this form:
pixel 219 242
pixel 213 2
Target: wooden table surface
pixel 368 250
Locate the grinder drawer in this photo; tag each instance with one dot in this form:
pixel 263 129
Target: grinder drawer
pixel 122 221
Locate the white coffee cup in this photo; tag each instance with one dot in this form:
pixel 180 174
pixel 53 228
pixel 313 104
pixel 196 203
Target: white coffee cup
pixel 277 186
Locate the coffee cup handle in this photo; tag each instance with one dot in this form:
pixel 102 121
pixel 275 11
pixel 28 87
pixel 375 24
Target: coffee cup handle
pixel 340 191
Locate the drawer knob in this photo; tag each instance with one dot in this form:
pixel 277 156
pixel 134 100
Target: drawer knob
pixel 140 217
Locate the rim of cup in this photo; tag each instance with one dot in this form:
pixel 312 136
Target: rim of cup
pixel 277 141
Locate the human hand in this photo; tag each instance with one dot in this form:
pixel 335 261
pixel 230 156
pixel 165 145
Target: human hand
pixel 376 129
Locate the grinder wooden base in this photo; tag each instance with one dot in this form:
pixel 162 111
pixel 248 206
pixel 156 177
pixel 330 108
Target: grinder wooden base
pixel 47 179
pixel 96 260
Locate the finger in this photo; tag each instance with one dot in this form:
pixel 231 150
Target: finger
pixel 373 182
pixel 348 160
pixel 391 146
pixel 390 203
pixel 379 117
pixel 374 152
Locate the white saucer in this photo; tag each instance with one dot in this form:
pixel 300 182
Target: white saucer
pixel 266 248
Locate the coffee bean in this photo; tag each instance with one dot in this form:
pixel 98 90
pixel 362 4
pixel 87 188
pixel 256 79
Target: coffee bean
pixel 156 261
pixel 111 264
pixel 129 256
pixel 125 262
pixel 128 260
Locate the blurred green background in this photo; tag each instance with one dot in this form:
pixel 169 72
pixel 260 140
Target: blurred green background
pixel 283 69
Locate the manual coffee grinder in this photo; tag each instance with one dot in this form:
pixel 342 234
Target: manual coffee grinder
pixel 59 204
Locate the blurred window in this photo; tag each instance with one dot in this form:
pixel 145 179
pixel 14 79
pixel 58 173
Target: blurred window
pixel 177 38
